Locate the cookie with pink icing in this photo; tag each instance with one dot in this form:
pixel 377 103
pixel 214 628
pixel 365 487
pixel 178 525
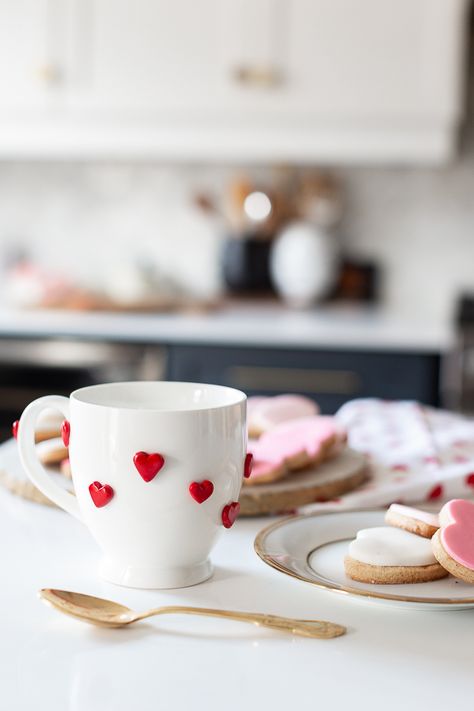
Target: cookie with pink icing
pixel 413 520
pixel 265 413
pixel 293 445
pixel 453 543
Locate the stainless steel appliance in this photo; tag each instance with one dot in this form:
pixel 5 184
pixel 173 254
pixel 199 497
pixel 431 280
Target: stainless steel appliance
pixel 30 368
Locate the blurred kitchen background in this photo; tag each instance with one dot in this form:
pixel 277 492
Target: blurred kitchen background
pixel 272 194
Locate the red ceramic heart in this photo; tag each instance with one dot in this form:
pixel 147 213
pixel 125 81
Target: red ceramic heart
pixel 101 494
pixel 148 465
pixel 201 490
pixel 15 426
pixel 230 513
pixel 65 432
pixel 248 465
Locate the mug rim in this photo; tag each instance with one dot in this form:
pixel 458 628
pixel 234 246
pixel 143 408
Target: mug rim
pixel 78 396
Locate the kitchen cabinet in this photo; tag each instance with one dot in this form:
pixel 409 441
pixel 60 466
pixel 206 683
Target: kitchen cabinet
pixel 233 80
pixel 27 48
pixel 330 377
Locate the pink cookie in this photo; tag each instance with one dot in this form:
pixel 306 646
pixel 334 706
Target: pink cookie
pixel 293 445
pixel 453 544
pixel 266 413
pixel 264 471
pixel 413 520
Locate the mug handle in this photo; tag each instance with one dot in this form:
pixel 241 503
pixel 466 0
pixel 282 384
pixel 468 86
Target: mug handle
pixel 26 445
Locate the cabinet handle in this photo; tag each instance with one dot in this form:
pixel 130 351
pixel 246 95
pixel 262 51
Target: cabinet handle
pixel 258 77
pixel 338 382
pixel 48 74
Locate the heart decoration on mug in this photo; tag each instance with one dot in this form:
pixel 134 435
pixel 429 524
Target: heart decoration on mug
pixel 230 513
pixel 201 490
pixel 148 465
pixel 248 465
pixel 101 494
pixel 65 432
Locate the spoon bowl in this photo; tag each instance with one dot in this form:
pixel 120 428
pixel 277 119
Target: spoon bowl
pixel 106 613
pixel 95 610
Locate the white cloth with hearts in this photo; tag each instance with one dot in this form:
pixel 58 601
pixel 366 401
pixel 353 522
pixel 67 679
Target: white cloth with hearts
pixel 415 453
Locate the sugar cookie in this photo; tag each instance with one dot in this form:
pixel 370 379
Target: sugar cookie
pixel 291 446
pixel 385 555
pixel 265 413
pixel 52 456
pixel 264 470
pixel 412 520
pixel 453 543
pixel 253 403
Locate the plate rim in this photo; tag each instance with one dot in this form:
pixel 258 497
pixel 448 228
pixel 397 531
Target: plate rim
pixel 263 534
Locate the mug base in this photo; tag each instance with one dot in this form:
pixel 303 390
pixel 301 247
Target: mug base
pixel 131 576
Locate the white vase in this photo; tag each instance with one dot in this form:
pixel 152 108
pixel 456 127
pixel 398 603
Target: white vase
pixel 303 264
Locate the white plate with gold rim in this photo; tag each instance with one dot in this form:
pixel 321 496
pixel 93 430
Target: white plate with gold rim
pixel 312 548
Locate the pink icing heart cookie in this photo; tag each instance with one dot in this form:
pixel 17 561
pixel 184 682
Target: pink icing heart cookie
pixel 453 544
pixel 265 413
pixel 291 446
pixel 413 520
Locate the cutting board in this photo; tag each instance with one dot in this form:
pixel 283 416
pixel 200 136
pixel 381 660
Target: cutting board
pixel 327 481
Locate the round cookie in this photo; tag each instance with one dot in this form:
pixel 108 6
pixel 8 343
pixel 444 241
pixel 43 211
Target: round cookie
pixel 253 403
pixel 385 555
pixel 265 413
pixel 291 446
pixel 453 543
pixel 412 520
pixel 264 470
pixel 51 455
pixel 48 425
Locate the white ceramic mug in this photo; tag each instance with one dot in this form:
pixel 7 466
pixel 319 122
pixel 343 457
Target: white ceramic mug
pixel 157 469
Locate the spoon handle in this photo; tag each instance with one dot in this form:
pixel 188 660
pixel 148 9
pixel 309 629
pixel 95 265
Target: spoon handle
pixel 303 628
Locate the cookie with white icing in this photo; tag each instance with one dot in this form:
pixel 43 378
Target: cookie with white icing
pixel 453 543
pixel 386 555
pixel 265 413
pixel 413 520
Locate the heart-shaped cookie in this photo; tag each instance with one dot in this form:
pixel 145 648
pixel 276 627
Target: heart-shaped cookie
pixel 101 494
pixel 201 490
pixel 148 465
pixel 230 513
pixel 453 544
pixel 65 432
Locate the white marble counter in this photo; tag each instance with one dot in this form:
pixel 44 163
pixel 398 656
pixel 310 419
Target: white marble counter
pixel 251 325
pixel 391 658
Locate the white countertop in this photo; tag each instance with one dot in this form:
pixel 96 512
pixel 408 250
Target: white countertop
pixel 250 325
pixel 391 658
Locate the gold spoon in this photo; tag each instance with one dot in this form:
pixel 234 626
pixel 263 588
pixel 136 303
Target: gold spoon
pixel 106 613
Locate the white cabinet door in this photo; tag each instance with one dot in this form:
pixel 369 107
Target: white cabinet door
pixel 234 80
pixel 304 80
pixel 374 58
pixel 146 55
pixel 30 45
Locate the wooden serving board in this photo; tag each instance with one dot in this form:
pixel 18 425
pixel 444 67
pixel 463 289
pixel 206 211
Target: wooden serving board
pixel 333 478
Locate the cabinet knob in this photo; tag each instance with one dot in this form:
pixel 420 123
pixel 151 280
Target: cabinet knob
pixel 49 74
pixel 257 76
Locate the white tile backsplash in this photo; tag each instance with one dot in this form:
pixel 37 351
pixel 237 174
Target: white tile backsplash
pixel 89 218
